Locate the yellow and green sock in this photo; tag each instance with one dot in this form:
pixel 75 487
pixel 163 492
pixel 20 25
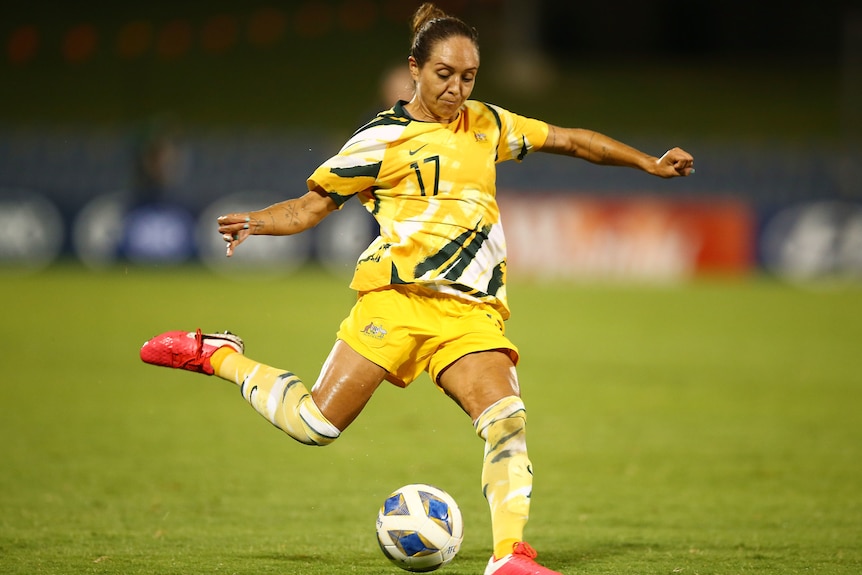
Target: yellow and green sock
pixel 507 475
pixel 278 395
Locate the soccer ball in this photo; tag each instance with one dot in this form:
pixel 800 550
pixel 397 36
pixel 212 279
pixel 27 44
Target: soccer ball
pixel 419 527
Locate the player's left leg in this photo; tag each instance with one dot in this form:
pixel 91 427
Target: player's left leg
pixel 314 418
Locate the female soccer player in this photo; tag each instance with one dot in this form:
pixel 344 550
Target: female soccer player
pixel 432 287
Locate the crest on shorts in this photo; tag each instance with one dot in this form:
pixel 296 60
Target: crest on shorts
pixel 374 331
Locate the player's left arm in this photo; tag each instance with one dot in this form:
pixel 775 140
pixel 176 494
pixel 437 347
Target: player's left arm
pixel 604 150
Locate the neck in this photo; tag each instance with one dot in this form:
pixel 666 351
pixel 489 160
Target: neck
pixel 422 114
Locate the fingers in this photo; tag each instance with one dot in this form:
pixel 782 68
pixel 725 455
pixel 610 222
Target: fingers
pixel 684 167
pixel 233 240
pixel 230 247
pixel 680 162
pixel 234 229
pixel 233 221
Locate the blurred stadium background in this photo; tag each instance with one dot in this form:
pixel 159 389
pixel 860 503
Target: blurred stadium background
pixel 125 127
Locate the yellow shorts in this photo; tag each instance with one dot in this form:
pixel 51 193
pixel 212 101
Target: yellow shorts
pixel 407 330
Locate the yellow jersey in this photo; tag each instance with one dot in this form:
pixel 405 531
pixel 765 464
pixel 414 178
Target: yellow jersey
pixel 432 189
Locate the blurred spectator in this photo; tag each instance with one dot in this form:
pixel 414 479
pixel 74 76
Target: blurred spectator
pixel 161 163
pixel 156 227
pixel 395 84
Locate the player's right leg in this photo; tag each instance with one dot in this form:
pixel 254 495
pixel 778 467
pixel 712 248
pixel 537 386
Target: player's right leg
pixel 189 350
pixel 485 385
pixel 344 387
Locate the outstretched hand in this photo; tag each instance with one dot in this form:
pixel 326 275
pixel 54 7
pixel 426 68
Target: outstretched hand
pixel 234 229
pixel 675 162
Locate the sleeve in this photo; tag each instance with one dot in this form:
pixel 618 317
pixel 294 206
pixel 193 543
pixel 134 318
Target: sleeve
pixel 354 169
pixel 518 135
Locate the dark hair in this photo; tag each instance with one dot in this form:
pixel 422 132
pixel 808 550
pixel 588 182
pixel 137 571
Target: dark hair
pixel 431 25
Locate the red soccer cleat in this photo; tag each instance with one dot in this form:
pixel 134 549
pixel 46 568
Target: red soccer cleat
pixel 519 562
pixel 189 350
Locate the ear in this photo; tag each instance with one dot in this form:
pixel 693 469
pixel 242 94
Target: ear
pixel 414 68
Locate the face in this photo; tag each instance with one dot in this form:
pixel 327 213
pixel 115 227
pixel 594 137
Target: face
pixel 445 81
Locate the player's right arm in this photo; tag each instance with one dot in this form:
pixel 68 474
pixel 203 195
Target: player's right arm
pixel 282 219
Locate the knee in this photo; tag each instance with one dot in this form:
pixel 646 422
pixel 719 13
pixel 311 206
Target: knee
pixel 508 414
pixel 308 436
pixel 314 440
pixel 316 429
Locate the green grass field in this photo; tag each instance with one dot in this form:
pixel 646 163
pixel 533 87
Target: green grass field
pixel 710 428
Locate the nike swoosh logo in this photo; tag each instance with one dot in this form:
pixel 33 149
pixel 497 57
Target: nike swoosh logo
pixel 417 149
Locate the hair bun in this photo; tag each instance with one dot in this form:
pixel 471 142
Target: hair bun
pixel 426 12
pixel 432 25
